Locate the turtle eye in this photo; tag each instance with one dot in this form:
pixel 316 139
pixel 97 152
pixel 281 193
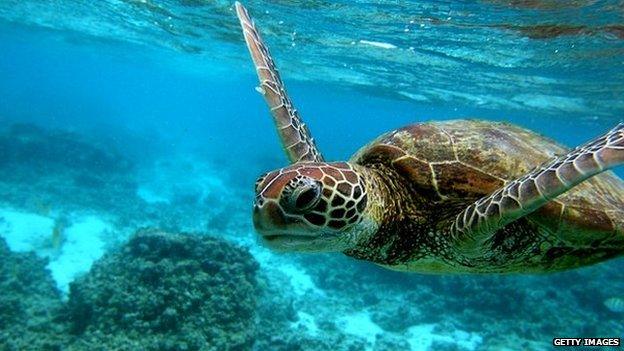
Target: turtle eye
pixel 305 197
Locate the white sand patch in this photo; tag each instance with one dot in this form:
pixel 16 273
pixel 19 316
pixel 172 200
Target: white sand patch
pixel 307 322
pixel 25 231
pixel 466 340
pixel 148 195
pixel 83 245
pixel 300 281
pixel 361 325
pixel 378 44
pixel 70 253
pixel 261 254
pixel 421 337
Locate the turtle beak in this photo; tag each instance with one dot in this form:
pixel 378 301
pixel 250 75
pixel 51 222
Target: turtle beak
pixel 275 232
pixel 281 235
pixel 259 219
pixel 266 217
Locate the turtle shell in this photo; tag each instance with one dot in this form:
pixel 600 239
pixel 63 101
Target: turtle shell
pixel 463 160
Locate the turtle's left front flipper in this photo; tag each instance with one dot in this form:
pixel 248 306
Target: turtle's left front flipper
pixel 294 134
pixel 476 224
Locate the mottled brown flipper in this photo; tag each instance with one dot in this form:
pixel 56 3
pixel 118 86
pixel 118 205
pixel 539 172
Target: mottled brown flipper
pixel 294 134
pixel 475 225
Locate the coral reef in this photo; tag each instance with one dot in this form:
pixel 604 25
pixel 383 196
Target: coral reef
pixel 78 173
pixel 33 146
pixel 30 304
pixel 165 291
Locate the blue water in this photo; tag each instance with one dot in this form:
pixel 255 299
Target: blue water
pixel 168 86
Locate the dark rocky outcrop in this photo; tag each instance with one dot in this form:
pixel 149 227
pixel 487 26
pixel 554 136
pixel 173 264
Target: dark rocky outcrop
pixel 29 304
pixel 165 291
pixel 42 170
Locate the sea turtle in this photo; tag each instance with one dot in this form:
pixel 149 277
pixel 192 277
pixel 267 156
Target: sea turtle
pixel 465 196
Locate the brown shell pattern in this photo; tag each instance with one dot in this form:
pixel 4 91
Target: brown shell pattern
pixel 467 159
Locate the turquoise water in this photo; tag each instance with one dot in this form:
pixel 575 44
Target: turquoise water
pixel 119 115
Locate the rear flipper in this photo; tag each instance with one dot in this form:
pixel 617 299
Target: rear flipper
pixel 476 224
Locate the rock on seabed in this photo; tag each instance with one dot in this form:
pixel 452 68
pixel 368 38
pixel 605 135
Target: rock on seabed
pixel 166 291
pixel 30 303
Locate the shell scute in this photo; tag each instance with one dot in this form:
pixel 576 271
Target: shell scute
pixel 549 216
pixel 497 150
pixel 378 152
pixel 425 142
pixel 459 181
pixel 592 223
pixel 419 173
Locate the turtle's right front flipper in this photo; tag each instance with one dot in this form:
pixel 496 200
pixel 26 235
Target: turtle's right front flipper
pixel 294 134
pixel 476 224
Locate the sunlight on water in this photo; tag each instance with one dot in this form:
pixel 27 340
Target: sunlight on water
pixel 503 55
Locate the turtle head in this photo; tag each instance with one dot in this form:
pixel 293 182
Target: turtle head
pixel 312 206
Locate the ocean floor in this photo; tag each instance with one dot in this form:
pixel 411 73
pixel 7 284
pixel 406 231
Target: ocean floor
pixel 301 302
pixel 70 249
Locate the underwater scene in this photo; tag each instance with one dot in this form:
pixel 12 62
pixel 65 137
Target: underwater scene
pixel 133 136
